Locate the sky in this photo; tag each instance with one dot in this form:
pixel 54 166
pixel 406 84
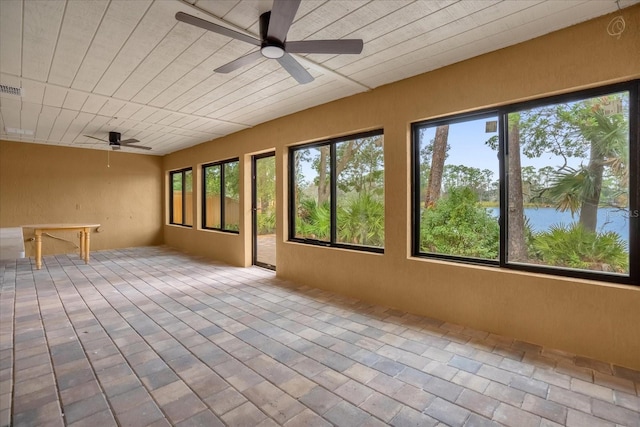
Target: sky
pixel 467 147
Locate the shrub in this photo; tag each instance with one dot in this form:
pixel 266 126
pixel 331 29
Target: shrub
pixel 361 221
pixel 267 222
pixel 457 225
pixel 575 247
pixel 313 221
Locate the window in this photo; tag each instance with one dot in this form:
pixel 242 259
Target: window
pixel 221 196
pixel 181 198
pixel 458 199
pixel 337 192
pixel 548 186
pixel 568 190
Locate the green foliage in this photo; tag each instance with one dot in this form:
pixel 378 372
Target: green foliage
pixel 360 165
pixel 361 221
pixel 569 188
pixel 212 180
pixel 265 181
pixel 359 191
pixel 232 180
pixel 267 222
pixel 479 180
pixel 177 181
pixel 458 225
pixel 587 130
pixel 313 221
pixel 575 247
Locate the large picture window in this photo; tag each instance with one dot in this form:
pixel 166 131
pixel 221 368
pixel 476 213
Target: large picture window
pixel 337 196
pixel 221 197
pixel 181 197
pixel 549 185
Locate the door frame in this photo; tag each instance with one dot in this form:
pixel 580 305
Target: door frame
pixel 254 210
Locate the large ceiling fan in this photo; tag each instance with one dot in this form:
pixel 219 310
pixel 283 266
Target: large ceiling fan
pixel 274 26
pixel 116 142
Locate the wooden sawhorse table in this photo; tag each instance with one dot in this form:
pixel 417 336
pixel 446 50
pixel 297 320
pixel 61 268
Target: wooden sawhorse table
pixel 85 233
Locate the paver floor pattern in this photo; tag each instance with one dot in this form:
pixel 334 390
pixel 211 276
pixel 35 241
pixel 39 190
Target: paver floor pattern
pixel 152 337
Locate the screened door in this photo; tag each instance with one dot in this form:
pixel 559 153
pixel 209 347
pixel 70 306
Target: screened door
pixel 264 210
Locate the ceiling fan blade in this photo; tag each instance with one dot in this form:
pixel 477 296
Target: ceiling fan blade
pixel 238 63
pixel 129 141
pixel 325 46
pixel 282 15
pixel 294 68
pixel 93 137
pixel 194 20
pixel 141 147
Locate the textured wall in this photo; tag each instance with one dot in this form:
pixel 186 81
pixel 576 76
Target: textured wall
pixel 589 318
pixel 47 184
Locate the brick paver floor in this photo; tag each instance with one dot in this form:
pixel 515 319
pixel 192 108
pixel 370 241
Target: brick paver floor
pixel 149 336
pixel 267 249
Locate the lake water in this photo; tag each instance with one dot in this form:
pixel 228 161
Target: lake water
pixel 541 219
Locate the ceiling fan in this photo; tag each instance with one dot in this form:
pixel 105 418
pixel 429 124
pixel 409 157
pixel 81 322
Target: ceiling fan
pixel 116 143
pixel 274 26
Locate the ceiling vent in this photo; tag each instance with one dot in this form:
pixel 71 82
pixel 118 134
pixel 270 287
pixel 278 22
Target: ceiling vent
pixel 11 90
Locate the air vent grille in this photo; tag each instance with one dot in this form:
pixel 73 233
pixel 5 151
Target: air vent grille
pixel 11 90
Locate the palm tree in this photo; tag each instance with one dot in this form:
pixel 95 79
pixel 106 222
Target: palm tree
pixel 579 189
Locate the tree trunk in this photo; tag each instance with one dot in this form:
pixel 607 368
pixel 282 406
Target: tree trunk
pixel 517 248
pixel 323 179
pixel 437 166
pixel 589 207
pixel 341 164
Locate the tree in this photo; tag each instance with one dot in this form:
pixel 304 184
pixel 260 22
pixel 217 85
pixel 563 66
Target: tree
pixel 587 129
pixel 478 180
pixel 361 168
pixel 323 175
pixel 347 152
pixel 607 137
pixel 438 156
pixel 265 177
pixel 516 244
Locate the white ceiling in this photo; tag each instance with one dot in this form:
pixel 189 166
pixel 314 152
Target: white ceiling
pixel 87 67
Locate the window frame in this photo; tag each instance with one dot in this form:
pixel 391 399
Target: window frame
pixel 182 172
pixel 415 184
pixel 221 164
pixel 502 112
pixel 332 243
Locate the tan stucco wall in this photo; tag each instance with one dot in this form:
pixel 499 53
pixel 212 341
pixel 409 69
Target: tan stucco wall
pixel 47 184
pixel 589 318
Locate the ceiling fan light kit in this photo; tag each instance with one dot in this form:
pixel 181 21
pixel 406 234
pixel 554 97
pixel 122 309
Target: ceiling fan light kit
pixel 274 26
pixel 272 52
pixel 270 47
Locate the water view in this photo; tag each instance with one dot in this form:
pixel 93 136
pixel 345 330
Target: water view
pixel 609 219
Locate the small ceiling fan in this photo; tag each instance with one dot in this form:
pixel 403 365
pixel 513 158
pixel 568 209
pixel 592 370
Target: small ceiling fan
pixel 274 26
pixel 116 143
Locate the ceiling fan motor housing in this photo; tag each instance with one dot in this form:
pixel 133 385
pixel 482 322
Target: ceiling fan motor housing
pixel 114 138
pixel 271 48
